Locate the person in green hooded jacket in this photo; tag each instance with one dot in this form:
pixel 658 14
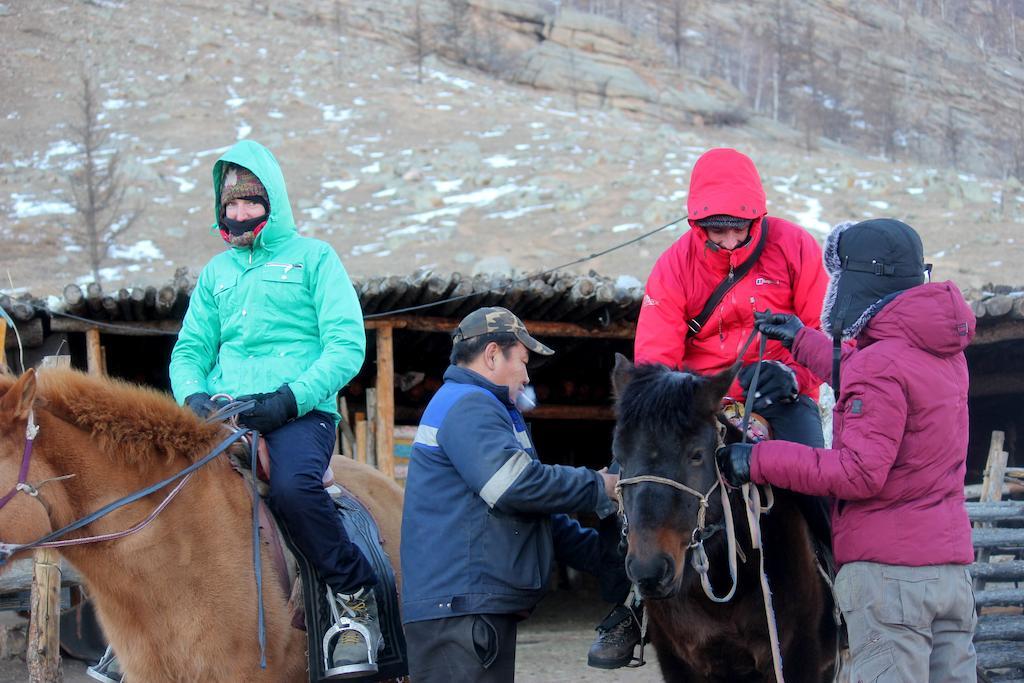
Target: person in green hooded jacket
pixel 275 319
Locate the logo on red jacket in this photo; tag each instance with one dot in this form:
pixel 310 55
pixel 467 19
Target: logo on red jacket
pixel 649 300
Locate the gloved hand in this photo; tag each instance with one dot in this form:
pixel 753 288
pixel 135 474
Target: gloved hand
pixel 782 327
pixel 734 462
pixel 271 410
pixel 201 405
pixel 777 383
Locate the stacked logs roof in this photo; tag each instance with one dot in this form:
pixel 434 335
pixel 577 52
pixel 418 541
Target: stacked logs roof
pixel 589 300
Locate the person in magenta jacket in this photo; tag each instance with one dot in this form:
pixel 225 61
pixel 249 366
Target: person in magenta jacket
pixel 896 467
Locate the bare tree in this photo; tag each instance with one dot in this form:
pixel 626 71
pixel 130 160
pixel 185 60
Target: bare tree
pixel 419 40
pixel 454 27
pixel 678 30
pixel 97 186
pixel 339 21
pixel 954 136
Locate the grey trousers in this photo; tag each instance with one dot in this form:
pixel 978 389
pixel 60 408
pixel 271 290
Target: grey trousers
pixel 908 623
pixel 475 648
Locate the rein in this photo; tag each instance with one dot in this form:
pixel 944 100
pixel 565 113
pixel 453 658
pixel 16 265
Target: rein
pixel 752 507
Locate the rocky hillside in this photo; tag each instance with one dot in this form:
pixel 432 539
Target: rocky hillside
pixel 479 135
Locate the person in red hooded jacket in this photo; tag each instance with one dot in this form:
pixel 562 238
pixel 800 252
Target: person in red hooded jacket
pixel 896 468
pixel 730 227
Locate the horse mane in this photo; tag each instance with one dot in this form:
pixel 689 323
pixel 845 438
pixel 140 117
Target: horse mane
pixel 132 423
pixel 656 394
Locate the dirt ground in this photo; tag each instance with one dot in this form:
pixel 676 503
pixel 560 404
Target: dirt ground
pixel 552 647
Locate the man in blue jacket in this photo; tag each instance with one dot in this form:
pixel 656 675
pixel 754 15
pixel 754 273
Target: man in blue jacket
pixel 484 518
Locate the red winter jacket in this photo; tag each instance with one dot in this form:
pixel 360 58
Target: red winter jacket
pixel 788 278
pixel 899 447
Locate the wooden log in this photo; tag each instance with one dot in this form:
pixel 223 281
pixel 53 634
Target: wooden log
pixel 19 576
pixel 44 626
pixel 30 333
pixel 371 427
pixel 997 538
pixel 1000 654
pixel 94 299
pixel 1002 330
pixel 1002 596
pixel 93 351
pixel 348 435
pixel 1000 627
pixel 978 308
pixel 571 412
pixel 998 571
pixel 462 290
pixel 124 304
pixel 992 487
pixel 150 301
pixel 110 311
pixel 74 300
pixel 998 384
pixel 973 491
pixel 996 511
pixel 995 469
pixel 165 299
pixel 392 289
pixel 360 434
pixel 385 431
pixel 138 303
pixel 1018 307
pixel 998 305
pixel 538 328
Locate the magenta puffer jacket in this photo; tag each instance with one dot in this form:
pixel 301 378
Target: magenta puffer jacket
pixel 899 447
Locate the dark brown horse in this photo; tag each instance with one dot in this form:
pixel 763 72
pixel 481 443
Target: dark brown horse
pixel 667 428
pixel 177 600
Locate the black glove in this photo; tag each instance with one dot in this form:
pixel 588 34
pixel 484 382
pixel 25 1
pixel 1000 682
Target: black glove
pixel 776 384
pixel 201 405
pixel 734 462
pixel 780 326
pixel 271 410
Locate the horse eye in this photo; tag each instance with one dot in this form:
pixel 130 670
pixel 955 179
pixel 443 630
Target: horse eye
pixel 697 458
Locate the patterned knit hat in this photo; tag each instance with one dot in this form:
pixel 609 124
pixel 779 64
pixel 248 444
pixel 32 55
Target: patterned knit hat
pixel 721 221
pixel 240 183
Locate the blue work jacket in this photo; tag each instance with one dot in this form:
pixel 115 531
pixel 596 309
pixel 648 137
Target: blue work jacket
pixel 484 517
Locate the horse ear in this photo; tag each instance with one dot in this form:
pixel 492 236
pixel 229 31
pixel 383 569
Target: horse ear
pixel 621 374
pixel 18 400
pixel 712 391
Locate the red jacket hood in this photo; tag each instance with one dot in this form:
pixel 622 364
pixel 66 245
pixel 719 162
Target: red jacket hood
pixel 725 181
pixel 933 317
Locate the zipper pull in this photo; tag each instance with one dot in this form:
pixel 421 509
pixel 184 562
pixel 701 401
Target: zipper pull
pixel 730 272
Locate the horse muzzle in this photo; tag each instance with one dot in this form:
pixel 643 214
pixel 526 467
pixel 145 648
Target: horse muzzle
pixel 655 575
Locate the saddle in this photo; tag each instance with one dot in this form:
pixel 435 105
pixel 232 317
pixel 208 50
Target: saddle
pixel 301 582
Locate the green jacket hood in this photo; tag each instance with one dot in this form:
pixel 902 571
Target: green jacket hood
pixel 258 159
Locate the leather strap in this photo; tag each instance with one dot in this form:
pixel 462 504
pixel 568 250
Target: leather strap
pixel 695 324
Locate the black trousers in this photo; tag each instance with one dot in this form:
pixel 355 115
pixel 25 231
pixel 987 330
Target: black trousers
pixel 475 648
pixel 799 422
pixel 300 451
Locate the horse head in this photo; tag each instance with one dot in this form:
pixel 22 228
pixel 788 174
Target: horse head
pixel 666 434
pixel 23 516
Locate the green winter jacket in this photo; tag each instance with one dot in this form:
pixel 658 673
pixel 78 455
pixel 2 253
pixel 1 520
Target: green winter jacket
pixel 281 311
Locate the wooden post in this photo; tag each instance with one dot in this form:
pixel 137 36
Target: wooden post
pixel 360 437
pixel 3 345
pixel 385 422
pixel 44 628
pixel 992 488
pixel 371 427
pixel 94 352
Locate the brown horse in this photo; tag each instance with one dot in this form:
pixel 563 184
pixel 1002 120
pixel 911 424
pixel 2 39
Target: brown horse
pixel 177 600
pixel 667 431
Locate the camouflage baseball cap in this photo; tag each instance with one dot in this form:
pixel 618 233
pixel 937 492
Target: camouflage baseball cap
pixel 497 319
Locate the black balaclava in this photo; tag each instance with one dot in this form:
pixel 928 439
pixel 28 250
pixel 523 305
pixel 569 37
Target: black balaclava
pixel 869 263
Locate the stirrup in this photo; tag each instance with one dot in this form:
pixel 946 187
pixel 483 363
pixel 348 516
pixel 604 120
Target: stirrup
pixel 343 623
pixel 98 670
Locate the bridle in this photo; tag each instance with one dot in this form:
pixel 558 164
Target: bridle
pixel 22 485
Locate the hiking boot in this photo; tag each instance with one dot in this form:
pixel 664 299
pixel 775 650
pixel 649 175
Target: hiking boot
pixel 108 669
pixel 355 634
pixel 617 636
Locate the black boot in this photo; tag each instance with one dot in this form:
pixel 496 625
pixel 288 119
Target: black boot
pixel 617 636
